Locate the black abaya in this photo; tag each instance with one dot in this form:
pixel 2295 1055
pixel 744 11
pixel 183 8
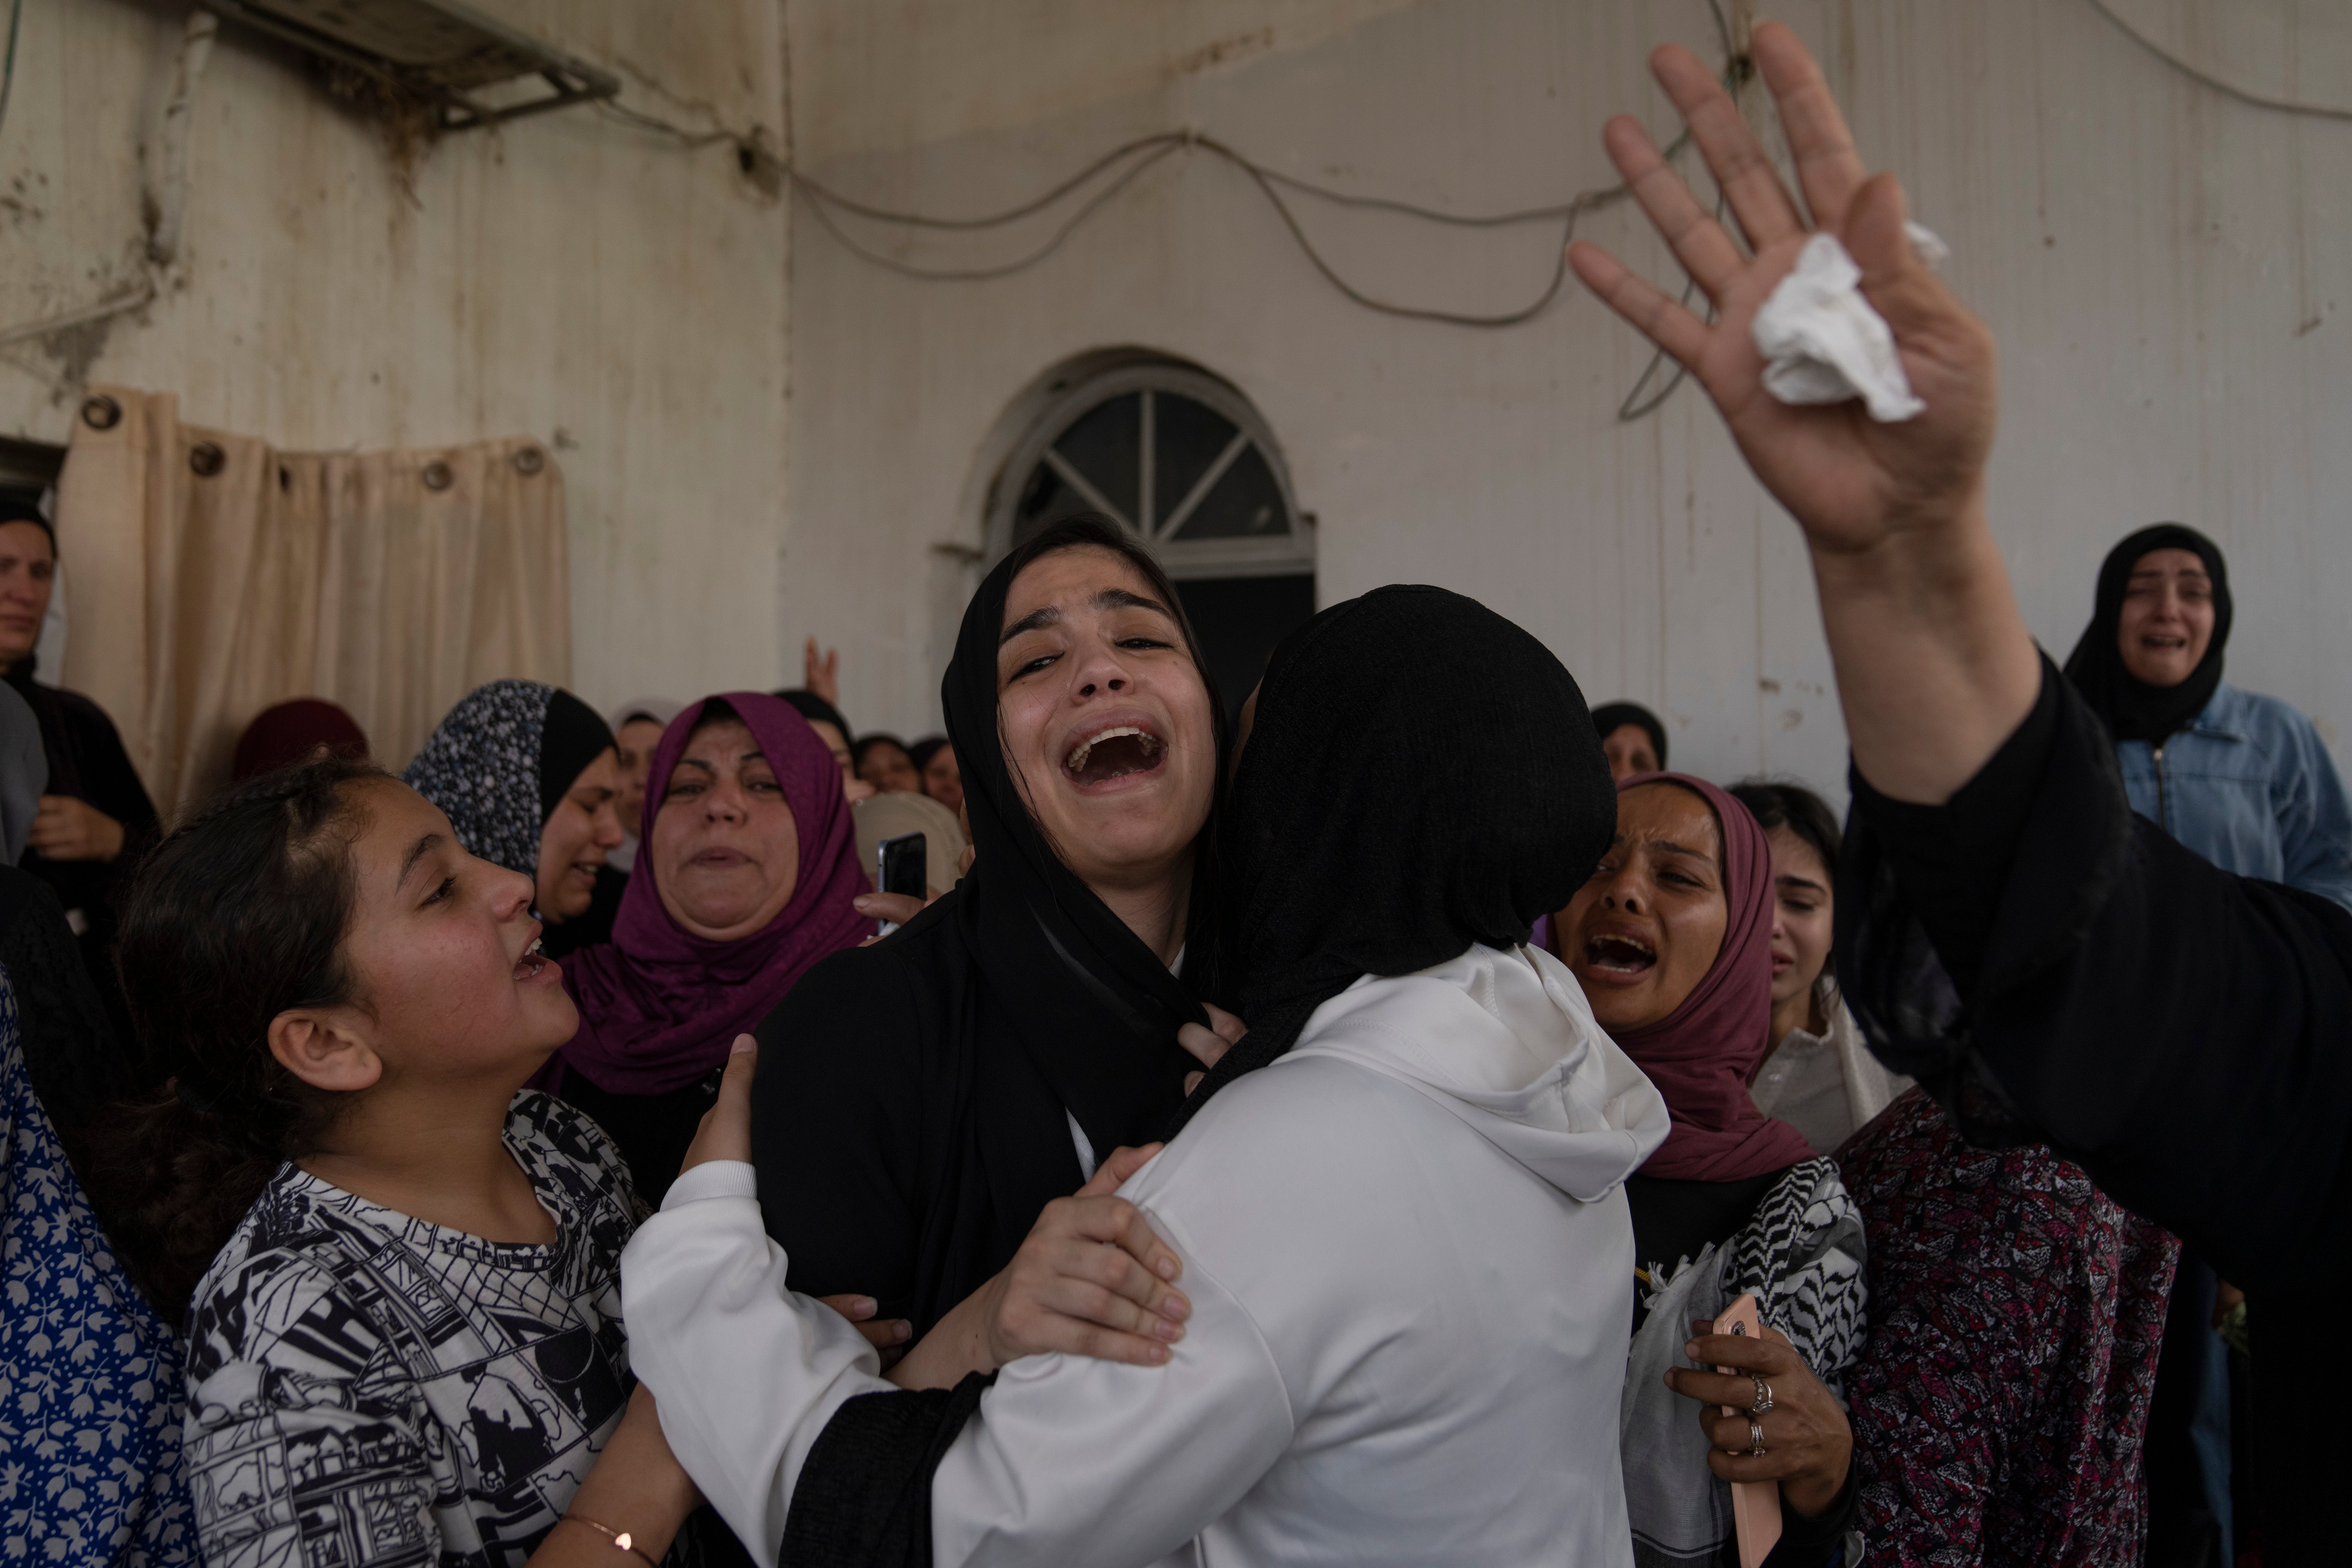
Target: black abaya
pixel 87 761
pixel 2050 966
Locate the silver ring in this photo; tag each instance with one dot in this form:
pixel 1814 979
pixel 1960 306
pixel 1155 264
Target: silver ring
pixel 1755 1440
pixel 1763 1394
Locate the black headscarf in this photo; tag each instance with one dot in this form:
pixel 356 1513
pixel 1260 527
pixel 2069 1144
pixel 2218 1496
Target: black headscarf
pixel 1422 776
pixel 1098 1011
pixel 2131 708
pixel 1612 717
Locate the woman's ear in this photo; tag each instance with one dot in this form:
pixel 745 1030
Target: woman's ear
pixel 322 1054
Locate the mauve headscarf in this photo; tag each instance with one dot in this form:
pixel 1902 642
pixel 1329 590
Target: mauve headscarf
pixel 1703 1054
pixel 659 1007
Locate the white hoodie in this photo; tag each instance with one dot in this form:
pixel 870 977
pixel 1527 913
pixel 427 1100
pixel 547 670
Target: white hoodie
pixel 1411 1268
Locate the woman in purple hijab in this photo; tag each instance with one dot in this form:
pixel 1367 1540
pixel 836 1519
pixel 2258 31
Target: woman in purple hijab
pixel 745 879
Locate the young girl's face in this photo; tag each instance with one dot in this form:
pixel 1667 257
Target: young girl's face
pixel 444 949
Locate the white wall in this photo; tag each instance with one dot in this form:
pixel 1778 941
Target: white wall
pixel 2163 266
pixel 564 277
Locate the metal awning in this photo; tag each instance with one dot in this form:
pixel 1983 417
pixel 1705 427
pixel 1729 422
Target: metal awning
pixel 435 50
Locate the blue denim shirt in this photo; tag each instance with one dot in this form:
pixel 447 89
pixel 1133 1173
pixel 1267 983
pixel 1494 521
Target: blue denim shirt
pixel 2249 786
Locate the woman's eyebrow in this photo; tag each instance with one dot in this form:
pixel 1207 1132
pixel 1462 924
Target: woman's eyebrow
pixel 417 851
pixel 1120 599
pixel 1035 620
pixel 1792 880
pixel 1707 856
pixel 695 763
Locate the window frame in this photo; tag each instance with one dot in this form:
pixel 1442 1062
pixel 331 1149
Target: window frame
pixel 1290 553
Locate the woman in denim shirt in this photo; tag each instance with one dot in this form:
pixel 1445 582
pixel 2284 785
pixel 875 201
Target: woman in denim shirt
pixel 2236 776
pixel 2243 780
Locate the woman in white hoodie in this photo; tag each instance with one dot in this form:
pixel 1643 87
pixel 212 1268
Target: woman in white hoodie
pixel 1405 1244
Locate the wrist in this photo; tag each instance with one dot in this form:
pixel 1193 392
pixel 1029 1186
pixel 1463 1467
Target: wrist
pixel 1814 1492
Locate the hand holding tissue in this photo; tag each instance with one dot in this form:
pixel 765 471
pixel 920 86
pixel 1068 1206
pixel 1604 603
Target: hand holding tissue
pixel 1823 342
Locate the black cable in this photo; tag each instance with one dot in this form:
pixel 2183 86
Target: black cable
pixel 977 274
pixel 823 201
pixel 993 220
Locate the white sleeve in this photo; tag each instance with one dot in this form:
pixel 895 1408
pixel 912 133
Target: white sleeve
pixel 1072 1461
pixel 746 1373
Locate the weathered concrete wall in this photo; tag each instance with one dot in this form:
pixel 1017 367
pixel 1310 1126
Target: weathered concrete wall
pixel 2163 265
pixel 621 297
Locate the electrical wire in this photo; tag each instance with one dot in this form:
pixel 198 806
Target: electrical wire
pixel 1141 154
pixel 2198 73
pixel 8 72
pixel 981 274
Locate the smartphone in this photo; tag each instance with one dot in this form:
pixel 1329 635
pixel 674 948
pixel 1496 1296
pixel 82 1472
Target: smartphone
pixel 900 865
pixel 1755 1505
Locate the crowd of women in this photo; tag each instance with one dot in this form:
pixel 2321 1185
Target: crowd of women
pixel 1334 1136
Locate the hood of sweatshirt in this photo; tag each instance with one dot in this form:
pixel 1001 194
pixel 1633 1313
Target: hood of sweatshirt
pixel 1506 1042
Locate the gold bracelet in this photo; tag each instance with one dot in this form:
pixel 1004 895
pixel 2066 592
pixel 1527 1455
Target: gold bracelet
pixel 619 1538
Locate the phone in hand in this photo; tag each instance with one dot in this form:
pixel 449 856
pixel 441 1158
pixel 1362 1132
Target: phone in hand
pixel 900 865
pixel 1755 1505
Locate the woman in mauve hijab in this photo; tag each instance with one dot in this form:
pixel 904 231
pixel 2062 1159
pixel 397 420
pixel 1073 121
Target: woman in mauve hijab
pixel 1671 939
pixel 747 876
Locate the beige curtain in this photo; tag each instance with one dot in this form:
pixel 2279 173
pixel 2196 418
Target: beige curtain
pixel 208 577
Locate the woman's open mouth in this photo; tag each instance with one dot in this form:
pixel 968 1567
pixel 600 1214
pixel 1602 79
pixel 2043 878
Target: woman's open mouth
pixel 1114 752
pixel 535 964
pixel 1619 955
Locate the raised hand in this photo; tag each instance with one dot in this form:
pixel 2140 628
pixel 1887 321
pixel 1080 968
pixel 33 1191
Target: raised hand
pixel 821 673
pixel 1848 478
pixel 1935 666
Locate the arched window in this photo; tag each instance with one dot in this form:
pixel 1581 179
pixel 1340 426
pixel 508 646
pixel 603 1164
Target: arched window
pixel 1183 461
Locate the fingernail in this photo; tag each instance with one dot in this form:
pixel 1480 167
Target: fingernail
pixel 1690 1351
pixel 1176 1307
pixel 1164 1267
pixel 901 1329
pixel 864 1306
pixel 1155 1352
pixel 1166 1329
pixel 743 1043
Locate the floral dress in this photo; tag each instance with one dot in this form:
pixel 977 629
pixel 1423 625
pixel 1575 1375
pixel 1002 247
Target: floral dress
pixel 90 1377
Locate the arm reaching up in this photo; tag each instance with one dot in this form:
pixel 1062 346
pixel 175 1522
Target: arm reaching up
pixel 1935 666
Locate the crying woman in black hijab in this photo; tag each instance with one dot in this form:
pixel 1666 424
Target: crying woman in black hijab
pixel 2241 778
pixel 919 1102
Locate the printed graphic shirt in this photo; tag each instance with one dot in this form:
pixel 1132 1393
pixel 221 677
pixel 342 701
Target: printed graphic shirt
pixel 366 1389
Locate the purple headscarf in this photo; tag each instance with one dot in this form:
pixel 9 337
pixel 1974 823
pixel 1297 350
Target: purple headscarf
pixel 659 1007
pixel 1703 1054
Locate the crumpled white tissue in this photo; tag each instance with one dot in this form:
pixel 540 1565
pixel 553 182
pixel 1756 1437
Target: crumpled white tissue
pixel 1823 342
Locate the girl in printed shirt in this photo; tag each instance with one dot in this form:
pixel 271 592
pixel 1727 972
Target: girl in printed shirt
pixel 398 1269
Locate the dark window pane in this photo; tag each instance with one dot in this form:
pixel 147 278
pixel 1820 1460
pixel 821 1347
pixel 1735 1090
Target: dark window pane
pixel 1238 621
pixel 1245 504
pixel 1106 445
pixel 1045 500
pixel 1187 438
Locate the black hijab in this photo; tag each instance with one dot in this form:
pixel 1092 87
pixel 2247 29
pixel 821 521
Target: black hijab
pixel 2131 708
pixel 1096 1010
pixel 1422 774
